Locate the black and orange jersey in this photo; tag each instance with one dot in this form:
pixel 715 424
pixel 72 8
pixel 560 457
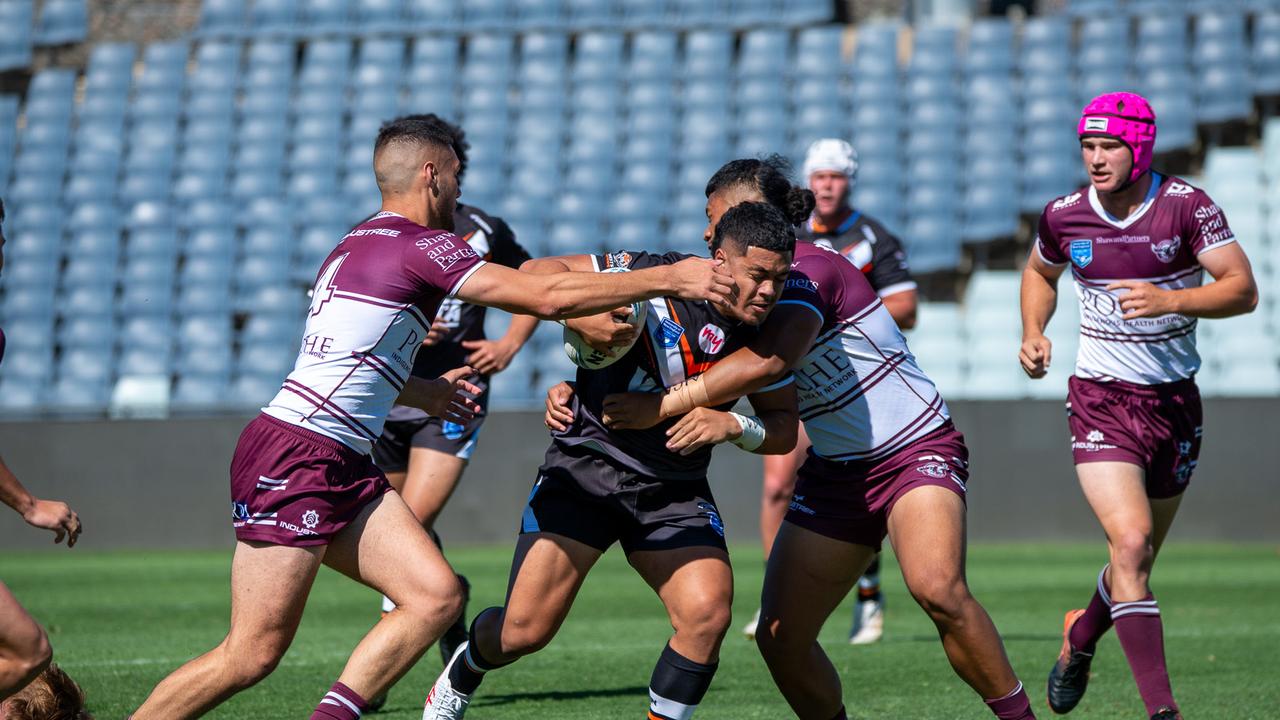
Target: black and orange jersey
pixel 681 339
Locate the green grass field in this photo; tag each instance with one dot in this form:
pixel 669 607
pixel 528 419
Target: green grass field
pixel 120 621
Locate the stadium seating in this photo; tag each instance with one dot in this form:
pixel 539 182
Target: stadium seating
pixel 153 210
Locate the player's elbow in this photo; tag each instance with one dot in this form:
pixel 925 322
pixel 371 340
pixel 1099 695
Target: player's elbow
pixel 784 435
pixel 907 318
pixel 1251 298
pixel 552 306
pixel 771 369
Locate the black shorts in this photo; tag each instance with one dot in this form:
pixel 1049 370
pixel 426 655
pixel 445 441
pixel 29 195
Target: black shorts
pixel 594 500
pixel 391 452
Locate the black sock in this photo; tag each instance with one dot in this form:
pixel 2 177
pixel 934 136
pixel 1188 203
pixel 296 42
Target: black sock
pixel 469 670
pixel 677 685
pixel 840 715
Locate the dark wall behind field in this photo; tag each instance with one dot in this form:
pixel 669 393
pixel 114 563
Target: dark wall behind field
pixel 164 483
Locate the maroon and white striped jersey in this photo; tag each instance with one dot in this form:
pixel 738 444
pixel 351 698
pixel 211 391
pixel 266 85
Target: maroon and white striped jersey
pixel 1159 243
pixel 861 394
pixel 372 305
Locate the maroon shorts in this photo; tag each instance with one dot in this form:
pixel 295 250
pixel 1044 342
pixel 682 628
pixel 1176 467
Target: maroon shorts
pixel 292 486
pixel 1156 427
pixel 851 501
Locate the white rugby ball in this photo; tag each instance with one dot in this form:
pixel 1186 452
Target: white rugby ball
pixel 585 356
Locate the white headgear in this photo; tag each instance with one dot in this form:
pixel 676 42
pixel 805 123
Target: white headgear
pixel 831 154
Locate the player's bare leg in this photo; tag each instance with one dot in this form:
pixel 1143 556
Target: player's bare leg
pixel 24 647
pixel 546 573
pixel 429 482
pixel 386 549
pixel 695 585
pixel 807 578
pixel 269 588
pixel 1136 527
pixel 779 485
pixel 927 529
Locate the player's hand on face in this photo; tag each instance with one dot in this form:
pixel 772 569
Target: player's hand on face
pixel 632 411
pixel 703 279
pixel 604 330
pixel 559 413
pixel 489 356
pixel 701 427
pixel 1034 356
pixel 56 516
pixel 453 398
pixel 437 332
pixel 1143 299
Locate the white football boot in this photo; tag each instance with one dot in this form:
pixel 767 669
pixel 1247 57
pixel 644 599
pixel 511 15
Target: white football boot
pixel 443 702
pixel 749 630
pixel 868 622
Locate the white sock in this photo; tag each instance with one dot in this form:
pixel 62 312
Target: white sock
pixel 387 605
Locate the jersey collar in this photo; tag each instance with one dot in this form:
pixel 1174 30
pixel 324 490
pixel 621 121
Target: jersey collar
pixel 1156 180
pixel 852 217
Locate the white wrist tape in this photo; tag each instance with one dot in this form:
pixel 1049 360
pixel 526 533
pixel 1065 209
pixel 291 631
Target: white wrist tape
pixel 752 432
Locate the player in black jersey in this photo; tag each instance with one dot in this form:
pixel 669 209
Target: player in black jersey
pixel 424 456
pixel 599 486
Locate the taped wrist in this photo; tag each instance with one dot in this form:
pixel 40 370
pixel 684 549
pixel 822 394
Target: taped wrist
pixel 752 432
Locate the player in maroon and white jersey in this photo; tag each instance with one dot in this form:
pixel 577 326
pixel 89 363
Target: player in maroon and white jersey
pixel 1137 243
pixel 424 456
pixel 830 166
pixel 304 489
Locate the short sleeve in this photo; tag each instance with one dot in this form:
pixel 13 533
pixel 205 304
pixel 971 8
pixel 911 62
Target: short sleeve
pixel 814 283
pixel 1207 225
pixel 440 262
pixel 629 259
pixel 1047 242
pixel 889 273
pixel 506 249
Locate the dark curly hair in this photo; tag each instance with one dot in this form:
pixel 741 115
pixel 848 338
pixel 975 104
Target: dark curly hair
pixel 755 224
pixel 768 177
pixel 53 695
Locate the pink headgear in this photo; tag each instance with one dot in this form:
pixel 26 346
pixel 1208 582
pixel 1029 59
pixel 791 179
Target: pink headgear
pixel 1127 117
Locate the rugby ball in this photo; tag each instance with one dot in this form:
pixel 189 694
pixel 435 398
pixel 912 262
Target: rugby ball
pixel 585 356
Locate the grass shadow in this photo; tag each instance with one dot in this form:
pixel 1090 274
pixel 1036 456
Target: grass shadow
pixel 489 700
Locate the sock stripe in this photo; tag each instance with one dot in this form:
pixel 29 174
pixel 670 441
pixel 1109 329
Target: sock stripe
pixel 667 709
pixel 1102 585
pixel 1007 695
pixel 331 697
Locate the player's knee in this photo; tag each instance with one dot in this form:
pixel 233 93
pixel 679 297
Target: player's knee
pixel 1132 552
pixel 438 604
pixel 525 638
pixel 778 488
pixel 251 666
pixel 707 618
pixel 942 598
pixel 29 654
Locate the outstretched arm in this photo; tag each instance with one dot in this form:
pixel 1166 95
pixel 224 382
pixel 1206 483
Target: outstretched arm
pixel 46 514
pixel 565 293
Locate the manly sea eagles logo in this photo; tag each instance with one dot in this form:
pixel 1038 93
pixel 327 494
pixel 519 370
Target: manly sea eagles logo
pixel 1082 252
pixel 1167 250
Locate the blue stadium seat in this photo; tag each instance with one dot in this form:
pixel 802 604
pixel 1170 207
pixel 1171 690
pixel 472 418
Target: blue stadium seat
pixel 100 243
pixel 762 51
pixel 273 16
pixel 584 14
pixel 326 16
pixel 221 17
pixel 16 37
pixel 30 364
pixel 1223 94
pixel 707 53
pixel 207 219
pixel 25 302
pixel 818 49
pixel 63 22
pixel 198 394
pixel 694 13
pixel 435 15
pixel 1265 56
pixel 643 13
pixel 1177 115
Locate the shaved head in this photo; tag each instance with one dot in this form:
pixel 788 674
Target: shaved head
pixel 403 147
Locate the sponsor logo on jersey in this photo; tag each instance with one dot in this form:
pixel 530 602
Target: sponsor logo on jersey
pixel 1204 212
pixel 1095 124
pixel 801 283
pixel 1095 436
pixel 1167 250
pixel 669 333
pixel 362 232
pixel 618 259
pixel 1082 252
pixel 310 518
pixel 1179 189
pixel 1094 442
pixel 239 511
pixel 452 430
pixel 1066 202
pixel 711 339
